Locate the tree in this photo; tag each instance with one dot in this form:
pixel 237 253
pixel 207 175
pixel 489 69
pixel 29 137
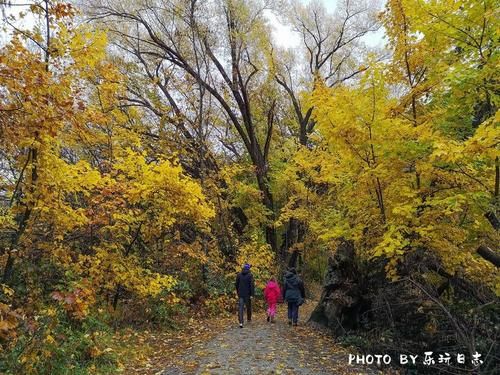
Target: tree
pixel 231 67
pixel 331 53
pixel 83 196
pixel 375 141
pixel 332 48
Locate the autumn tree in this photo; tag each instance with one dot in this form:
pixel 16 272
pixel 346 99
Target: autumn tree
pixel 410 164
pixel 454 45
pixel 331 51
pixel 90 214
pixel 178 40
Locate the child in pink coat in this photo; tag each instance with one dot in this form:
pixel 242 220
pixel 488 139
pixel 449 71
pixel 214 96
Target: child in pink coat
pixel 272 294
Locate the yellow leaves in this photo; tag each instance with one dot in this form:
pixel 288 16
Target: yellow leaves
pixel 486 139
pixel 59 181
pixel 6 290
pixel 447 151
pixel 159 283
pixel 244 194
pixel 49 340
pixel 163 186
pixel 262 259
pixel 434 188
pixel 331 226
pixel 88 47
pixel 97 196
pixel 7 220
pixel 110 267
pixel 393 243
pixel 51 312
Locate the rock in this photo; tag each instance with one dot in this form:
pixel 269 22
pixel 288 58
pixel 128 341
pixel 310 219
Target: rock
pixel 342 299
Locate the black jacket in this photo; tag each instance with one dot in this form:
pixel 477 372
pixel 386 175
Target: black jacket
pixel 293 288
pixel 244 284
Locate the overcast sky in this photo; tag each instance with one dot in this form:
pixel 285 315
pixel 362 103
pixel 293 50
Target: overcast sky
pixel 282 34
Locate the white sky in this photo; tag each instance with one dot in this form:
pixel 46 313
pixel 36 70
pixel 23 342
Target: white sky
pixel 282 34
pixel 287 38
pixel 25 23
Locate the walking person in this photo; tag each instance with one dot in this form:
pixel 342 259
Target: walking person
pixel 293 294
pixel 272 294
pixel 245 289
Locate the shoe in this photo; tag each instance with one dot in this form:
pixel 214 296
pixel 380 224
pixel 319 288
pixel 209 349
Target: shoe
pixel 289 322
pixel 268 318
pixel 295 324
pixel 272 320
pixel 241 325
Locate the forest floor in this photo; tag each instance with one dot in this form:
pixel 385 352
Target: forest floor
pixel 219 346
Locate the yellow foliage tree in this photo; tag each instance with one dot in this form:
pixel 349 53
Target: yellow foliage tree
pixel 374 197
pixel 81 194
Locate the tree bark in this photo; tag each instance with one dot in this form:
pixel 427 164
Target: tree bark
pixel 489 255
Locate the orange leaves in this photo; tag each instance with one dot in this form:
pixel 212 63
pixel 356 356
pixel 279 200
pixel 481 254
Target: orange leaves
pixel 61 10
pixel 25 94
pixel 9 318
pixel 76 303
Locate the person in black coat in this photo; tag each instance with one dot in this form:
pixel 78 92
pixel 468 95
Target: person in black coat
pixel 294 294
pixel 245 289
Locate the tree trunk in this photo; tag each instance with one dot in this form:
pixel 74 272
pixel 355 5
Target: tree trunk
pixel 489 255
pixel 294 234
pixel 341 302
pixel 267 200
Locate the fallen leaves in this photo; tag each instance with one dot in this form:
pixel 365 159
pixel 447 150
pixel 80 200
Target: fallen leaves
pixel 218 346
pixel 146 352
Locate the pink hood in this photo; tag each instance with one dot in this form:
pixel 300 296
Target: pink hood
pixel 272 292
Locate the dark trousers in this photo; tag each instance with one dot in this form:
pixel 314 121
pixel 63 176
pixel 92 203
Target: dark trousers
pixel 244 301
pixel 293 311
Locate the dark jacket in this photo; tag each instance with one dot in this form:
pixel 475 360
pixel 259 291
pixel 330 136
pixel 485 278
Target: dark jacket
pixel 293 288
pixel 244 284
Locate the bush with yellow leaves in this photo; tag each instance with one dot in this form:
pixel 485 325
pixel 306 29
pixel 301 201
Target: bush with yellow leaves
pixel 261 258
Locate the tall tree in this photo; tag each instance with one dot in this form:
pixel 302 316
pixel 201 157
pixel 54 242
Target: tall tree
pixel 331 53
pixel 185 39
pixel 45 11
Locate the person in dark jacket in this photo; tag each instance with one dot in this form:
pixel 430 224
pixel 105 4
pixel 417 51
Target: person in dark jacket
pixel 294 294
pixel 245 289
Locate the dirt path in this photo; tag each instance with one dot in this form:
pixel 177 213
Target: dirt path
pixel 265 348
